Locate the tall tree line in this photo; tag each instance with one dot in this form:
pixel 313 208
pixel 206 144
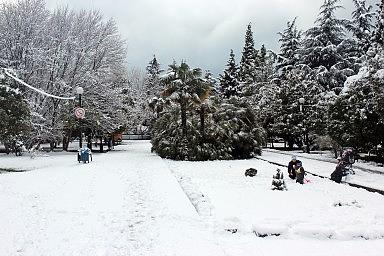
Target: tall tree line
pixel 58 51
pixel 333 68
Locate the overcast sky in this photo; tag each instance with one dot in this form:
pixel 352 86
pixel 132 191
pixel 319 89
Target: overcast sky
pixel 202 32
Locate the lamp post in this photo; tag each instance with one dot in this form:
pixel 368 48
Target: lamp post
pixel 80 91
pixel 301 103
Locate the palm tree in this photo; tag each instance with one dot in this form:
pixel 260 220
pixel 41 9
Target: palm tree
pixel 203 91
pixel 183 85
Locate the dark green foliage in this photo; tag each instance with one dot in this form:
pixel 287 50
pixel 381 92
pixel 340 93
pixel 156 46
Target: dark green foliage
pixel 361 25
pixel 249 59
pixel 378 37
pixel 356 117
pixel 229 84
pixel 320 45
pixel 242 133
pixel 152 82
pixel 289 48
pixel 14 116
pixel 231 132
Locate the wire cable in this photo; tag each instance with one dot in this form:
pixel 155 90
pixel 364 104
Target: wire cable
pixel 35 89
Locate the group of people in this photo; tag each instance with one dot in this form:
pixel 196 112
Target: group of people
pixel 343 168
pixel 344 165
pixel 296 170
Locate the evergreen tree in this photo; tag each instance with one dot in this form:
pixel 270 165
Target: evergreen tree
pixel 208 78
pixel 152 81
pixel 265 70
pixel 326 50
pixel 361 24
pixel 14 116
pixel 278 99
pixel 249 60
pixel 229 84
pixel 289 47
pixel 320 44
pixel 378 36
pixel 357 114
pixel 262 55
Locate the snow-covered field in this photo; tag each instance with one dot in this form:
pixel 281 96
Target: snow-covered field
pixel 328 156
pixel 373 180
pixel 131 202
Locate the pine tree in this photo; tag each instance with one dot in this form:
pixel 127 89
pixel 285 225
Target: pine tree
pixel 378 37
pixel 327 51
pixel 357 114
pixel 229 84
pixel 14 115
pixel 152 81
pixel 249 60
pixel 265 69
pixel 262 55
pixel 361 24
pixel 289 47
pixel 320 44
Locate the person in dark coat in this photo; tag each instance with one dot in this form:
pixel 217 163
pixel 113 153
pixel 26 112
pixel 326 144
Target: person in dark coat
pixel 338 173
pixel 300 173
pixel 291 169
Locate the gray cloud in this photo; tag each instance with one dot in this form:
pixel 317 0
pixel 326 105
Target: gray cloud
pixel 201 31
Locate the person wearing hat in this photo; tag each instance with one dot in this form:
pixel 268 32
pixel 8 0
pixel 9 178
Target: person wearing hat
pixel 291 169
pixel 299 173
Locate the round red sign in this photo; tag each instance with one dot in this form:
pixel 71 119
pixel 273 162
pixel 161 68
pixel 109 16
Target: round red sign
pixel 80 113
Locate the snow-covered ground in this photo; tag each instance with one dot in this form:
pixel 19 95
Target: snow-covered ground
pixel 129 202
pixel 373 180
pixel 328 156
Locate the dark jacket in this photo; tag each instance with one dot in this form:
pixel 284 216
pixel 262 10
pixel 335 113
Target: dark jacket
pixel 338 173
pixel 291 169
pixel 300 175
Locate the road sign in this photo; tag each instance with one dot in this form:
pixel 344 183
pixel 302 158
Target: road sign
pixel 80 113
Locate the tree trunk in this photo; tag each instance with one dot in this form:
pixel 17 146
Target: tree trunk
pixel 7 149
pixel 202 123
pixel 89 144
pixel 52 145
pixel 101 145
pixel 184 118
pixel 307 143
pixel 335 151
pixel 65 143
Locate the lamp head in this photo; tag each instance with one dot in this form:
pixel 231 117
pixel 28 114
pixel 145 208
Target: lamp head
pixel 79 90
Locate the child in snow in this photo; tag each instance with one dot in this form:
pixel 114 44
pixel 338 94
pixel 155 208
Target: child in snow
pixel 291 165
pixel 338 173
pixel 299 173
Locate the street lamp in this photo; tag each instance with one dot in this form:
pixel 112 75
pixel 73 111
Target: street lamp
pixel 80 91
pixel 301 103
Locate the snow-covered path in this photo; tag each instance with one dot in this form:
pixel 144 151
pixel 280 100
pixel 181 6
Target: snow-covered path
pixel 123 203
